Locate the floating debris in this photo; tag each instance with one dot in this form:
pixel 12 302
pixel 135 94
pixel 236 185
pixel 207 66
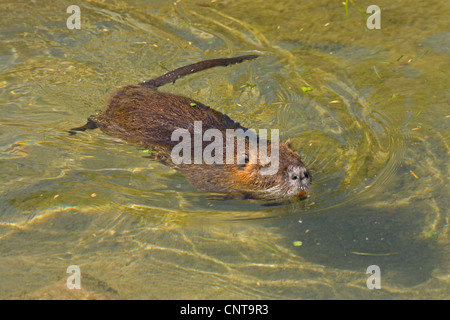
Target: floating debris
pixel 267 246
pixel 414 175
pixel 248 85
pixel 376 72
pixel 306 89
pixel 148 151
pixel 374 254
pixel 433 234
pixel 301 115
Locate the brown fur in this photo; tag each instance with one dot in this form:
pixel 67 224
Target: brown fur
pixel 140 114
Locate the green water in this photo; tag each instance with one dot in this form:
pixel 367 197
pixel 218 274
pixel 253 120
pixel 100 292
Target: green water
pixel 373 131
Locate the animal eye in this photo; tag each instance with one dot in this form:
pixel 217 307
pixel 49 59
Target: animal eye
pixel 246 159
pixel 294 177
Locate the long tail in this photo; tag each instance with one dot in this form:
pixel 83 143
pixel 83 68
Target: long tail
pixel 173 75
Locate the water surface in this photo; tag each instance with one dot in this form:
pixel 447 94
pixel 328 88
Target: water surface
pixel 368 110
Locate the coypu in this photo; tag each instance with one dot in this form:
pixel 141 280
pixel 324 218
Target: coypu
pixel 145 116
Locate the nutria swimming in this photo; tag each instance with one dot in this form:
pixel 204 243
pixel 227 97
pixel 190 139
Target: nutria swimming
pixel 142 115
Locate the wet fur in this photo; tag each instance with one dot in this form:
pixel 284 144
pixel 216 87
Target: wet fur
pixel 145 116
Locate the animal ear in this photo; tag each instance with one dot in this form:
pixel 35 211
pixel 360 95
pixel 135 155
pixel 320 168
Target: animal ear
pixel 287 143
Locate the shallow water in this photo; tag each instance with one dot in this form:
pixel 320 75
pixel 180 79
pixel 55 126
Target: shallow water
pixel 373 131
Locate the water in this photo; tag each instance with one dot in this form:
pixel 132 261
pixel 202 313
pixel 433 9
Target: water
pixel 373 131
